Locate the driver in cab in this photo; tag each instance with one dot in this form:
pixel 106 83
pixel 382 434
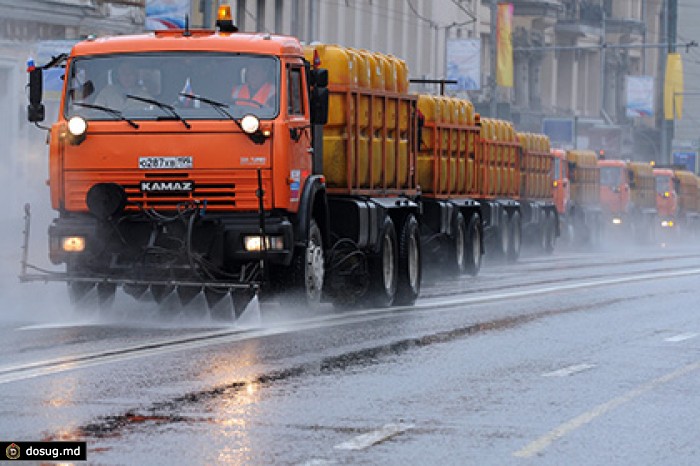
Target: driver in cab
pixel 125 80
pixel 258 90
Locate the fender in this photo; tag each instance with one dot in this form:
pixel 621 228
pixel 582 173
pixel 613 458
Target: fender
pixel 313 203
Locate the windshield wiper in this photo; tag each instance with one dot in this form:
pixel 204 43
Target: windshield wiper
pixel 167 107
pixel 218 106
pixel 111 111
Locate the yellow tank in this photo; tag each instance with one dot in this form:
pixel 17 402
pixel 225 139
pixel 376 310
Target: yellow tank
pixel 341 69
pixel 378 78
pixel 430 109
pixel 364 78
pixel 338 150
pixel 401 76
pixel 389 70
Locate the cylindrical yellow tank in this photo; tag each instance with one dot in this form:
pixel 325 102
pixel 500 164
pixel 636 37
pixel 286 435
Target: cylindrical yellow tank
pixel 401 76
pixel 389 70
pixel 378 77
pixel 364 78
pixel 338 145
pixel 430 109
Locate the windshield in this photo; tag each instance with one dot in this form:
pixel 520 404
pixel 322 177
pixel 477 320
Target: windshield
pixel 663 184
pixel 610 176
pixel 245 84
pixel 556 168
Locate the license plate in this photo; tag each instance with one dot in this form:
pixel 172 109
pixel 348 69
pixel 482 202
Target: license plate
pixel 165 163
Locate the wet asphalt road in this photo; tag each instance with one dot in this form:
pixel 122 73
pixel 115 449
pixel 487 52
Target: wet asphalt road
pixel 569 359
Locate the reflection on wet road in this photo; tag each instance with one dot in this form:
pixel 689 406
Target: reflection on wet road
pixel 537 360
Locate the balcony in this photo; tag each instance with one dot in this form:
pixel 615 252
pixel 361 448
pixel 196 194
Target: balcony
pixel 549 9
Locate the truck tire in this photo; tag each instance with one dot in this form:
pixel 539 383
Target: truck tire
pixel 410 263
pixel 503 238
pixel 309 269
pixel 457 252
pixel 515 237
pixel 473 251
pixel 383 269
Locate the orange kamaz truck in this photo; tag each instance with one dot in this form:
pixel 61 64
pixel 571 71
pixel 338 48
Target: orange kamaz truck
pixel 217 163
pixel 167 179
pixel 676 200
pixel 576 189
pixel 628 199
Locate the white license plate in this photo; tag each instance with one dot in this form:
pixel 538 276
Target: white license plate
pixel 165 163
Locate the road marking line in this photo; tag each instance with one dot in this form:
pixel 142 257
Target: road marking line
pixel 372 438
pixel 570 370
pixel 681 337
pixel 205 339
pixel 543 442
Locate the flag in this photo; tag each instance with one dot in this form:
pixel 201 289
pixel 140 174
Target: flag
pixel 673 87
pixel 186 101
pixel 504 45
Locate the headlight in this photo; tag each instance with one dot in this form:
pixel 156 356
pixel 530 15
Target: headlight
pixel 77 126
pixel 250 124
pixel 73 244
pixel 617 221
pixel 253 243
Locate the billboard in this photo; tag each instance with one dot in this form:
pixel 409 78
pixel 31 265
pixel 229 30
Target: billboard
pixel 640 96
pixel 166 14
pixel 686 158
pixel 464 64
pixel 561 132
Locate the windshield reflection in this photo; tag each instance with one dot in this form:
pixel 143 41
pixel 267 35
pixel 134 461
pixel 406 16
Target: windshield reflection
pixel 246 84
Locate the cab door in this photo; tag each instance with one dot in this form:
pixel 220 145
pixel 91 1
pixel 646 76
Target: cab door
pixel 297 109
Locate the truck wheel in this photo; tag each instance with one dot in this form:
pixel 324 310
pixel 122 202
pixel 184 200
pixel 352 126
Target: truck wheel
pixel 458 247
pixel 473 251
pixel 514 243
pixel 309 269
pixel 503 234
pixel 410 263
pixel 383 268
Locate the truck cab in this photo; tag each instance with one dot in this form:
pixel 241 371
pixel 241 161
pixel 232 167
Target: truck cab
pixel 614 188
pixel 666 197
pixel 163 172
pixel 627 197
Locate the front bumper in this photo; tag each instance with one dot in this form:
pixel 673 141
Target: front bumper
pixel 186 246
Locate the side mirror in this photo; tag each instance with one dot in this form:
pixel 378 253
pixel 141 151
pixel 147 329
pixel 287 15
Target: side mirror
pixel 319 106
pixel 35 110
pixel 319 77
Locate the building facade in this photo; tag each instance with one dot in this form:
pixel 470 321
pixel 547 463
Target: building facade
pixel 561 68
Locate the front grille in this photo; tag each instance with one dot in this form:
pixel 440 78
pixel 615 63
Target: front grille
pixel 232 190
pixel 215 194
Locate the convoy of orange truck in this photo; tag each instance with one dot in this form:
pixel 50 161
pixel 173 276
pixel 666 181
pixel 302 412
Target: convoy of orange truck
pixel 337 188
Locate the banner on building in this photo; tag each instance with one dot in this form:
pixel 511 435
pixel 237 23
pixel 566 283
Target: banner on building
pixel 166 14
pixel 640 96
pixel 504 49
pixel 673 87
pixel 464 64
